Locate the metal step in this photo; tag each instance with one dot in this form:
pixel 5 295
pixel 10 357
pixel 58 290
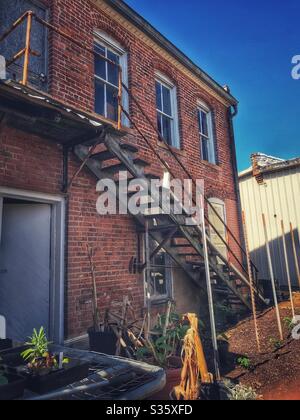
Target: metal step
pixel 103 156
pixel 113 169
pixel 181 245
pixel 129 148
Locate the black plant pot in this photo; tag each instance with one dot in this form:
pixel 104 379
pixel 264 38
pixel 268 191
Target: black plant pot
pixel 13 360
pixel 74 371
pixel 5 344
pixel 103 342
pixel 14 389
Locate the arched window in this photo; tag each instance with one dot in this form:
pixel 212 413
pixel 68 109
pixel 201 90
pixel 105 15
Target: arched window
pixel 107 76
pixel 219 225
pixel 207 141
pixel 167 110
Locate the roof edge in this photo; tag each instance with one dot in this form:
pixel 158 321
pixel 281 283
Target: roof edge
pixel 130 14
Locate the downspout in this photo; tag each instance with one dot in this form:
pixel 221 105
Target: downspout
pixel 232 113
pixel 66 268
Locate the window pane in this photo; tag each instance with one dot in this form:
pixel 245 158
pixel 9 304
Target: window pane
pixel 204 123
pixel 167 101
pixel 159 124
pixel 112 103
pixel 158 96
pixel 113 73
pixel 167 129
pixel 158 275
pixel 100 67
pixel 161 285
pixel 99 98
pixel 205 149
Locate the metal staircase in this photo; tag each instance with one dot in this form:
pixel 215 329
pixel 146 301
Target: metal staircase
pixel 182 243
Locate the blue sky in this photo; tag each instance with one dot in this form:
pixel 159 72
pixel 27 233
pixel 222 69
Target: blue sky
pixel 248 45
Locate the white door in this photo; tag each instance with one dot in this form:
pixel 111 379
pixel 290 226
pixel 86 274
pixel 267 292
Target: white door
pixel 25 267
pixel 219 206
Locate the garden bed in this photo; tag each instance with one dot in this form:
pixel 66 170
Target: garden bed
pixel 275 373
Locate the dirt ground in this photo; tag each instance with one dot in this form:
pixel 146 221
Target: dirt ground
pixel 275 372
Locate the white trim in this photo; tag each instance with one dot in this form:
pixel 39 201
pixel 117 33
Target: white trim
pixel 218 202
pixel 104 40
pixel 58 253
pixel 165 81
pixel 211 138
pixel 28 194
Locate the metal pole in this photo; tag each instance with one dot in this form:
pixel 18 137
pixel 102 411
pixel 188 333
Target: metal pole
pixel 148 274
pixel 251 282
pixel 27 49
pixel 287 268
pixel 210 298
pixel 295 252
pixel 272 278
pixel 120 98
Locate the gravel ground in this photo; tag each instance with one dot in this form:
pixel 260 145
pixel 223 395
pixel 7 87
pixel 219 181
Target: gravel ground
pixel 275 372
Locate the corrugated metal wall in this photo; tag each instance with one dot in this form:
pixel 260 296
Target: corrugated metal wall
pixel 279 199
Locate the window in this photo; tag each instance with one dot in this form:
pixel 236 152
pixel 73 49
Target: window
pixel 208 152
pixel 160 275
pixel 220 208
pixel 167 117
pixel 107 77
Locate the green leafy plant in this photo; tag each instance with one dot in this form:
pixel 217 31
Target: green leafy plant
pixel 276 343
pixel 38 355
pixel 38 346
pixel 165 342
pixel 289 323
pixel 244 362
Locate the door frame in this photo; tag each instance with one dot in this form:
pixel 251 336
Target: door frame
pixel 57 271
pixel 219 202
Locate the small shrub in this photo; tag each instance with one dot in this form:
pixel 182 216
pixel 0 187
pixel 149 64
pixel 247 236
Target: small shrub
pixel 244 362
pixel 276 343
pixel 289 323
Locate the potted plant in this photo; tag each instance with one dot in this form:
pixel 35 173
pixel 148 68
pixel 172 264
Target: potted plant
pixel 46 371
pixel 11 386
pixel 102 338
pixel 164 349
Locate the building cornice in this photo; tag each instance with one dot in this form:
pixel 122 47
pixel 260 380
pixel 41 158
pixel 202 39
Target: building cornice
pixel 138 26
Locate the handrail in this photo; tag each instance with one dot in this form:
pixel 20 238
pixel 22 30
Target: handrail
pixel 27 52
pixel 189 175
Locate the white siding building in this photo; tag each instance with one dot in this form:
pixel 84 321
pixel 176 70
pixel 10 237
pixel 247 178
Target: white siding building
pixel 272 186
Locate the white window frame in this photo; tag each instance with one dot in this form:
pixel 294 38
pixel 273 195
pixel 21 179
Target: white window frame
pixel 218 202
pixel 169 281
pixel 105 41
pixel 210 138
pixel 164 81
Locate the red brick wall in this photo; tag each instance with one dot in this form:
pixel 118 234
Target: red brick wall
pixel 71 79
pixel 31 163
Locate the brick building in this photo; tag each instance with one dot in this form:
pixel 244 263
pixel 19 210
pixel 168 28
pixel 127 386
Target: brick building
pixel 47 128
